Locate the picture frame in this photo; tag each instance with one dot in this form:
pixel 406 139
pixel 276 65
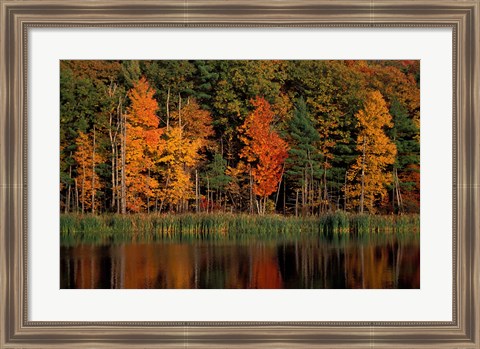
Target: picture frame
pixel 17 331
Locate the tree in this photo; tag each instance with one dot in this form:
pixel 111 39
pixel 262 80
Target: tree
pixel 78 100
pixel 196 123
pixel 87 179
pixel 405 186
pixel 304 158
pixel 204 111
pixel 179 154
pixel 187 140
pixel 141 148
pixel 368 175
pixel 264 150
pixel 216 177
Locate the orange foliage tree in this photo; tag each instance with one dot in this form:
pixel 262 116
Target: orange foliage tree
pixel 179 154
pixel 184 142
pixel 87 179
pixel 143 145
pixel 196 123
pixel 368 175
pixel 264 150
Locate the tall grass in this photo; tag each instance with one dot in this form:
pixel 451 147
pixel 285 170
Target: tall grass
pixel 152 227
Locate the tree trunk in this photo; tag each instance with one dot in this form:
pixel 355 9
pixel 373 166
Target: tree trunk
pixel 113 178
pixel 304 189
pixel 83 188
pixel 208 194
pixel 67 203
pixel 296 205
pixel 279 186
pixel 251 192
pixel 168 108
pixel 397 191
pixel 76 196
pixel 123 174
pixel 362 193
pixel 93 172
pixel 325 191
pixel 148 191
pixel 117 179
pixel 179 112
pixel 113 144
pixel 197 201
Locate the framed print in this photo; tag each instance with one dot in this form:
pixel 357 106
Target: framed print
pixel 241 174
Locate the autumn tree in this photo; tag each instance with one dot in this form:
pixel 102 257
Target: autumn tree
pixel 87 178
pixel 179 154
pixel 185 140
pixel 196 123
pixel 368 175
pixel 202 110
pixel 264 150
pixel 141 148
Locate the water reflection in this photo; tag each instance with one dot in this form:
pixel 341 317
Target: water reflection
pixel 351 262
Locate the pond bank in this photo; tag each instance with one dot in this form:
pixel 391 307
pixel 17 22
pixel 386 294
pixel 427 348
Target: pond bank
pixel 141 227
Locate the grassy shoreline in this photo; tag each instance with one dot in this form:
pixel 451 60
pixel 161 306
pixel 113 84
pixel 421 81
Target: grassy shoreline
pixel 136 227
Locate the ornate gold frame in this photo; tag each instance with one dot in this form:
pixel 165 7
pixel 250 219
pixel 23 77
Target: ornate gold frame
pixel 16 331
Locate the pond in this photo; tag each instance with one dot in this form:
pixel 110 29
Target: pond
pixel 339 262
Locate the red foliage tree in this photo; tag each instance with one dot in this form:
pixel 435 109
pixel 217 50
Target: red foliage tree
pixel 264 150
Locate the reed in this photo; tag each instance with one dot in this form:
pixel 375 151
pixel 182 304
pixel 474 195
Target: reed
pixel 154 227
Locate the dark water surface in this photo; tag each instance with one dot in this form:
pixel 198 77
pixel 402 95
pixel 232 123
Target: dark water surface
pixel 386 261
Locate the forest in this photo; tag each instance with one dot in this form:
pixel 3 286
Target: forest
pixel 253 137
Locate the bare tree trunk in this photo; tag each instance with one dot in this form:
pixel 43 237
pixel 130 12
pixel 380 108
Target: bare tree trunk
pixel 113 137
pixel 208 194
pixel 67 202
pixel 168 108
pixel 304 190
pixel 398 192
pixel 296 205
pixel 311 194
pixel 113 142
pixel 76 196
pixel 251 192
pixel 325 190
pixel 258 206
pixel 362 193
pixel 279 186
pixel 345 193
pixel 113 178
pixel 148 191
pixel 123 174
pixel 179 112
pixel 117 179
pixel 162 200
pixel 311 190
pixel 93 172
pixel 83 188
pixel 197 194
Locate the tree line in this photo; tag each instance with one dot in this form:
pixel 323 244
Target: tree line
pixel 259 136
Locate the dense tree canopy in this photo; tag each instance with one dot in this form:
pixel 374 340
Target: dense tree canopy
pixel 292 137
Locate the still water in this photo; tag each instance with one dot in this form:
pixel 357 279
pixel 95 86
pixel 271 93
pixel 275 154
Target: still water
pixel 386 261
